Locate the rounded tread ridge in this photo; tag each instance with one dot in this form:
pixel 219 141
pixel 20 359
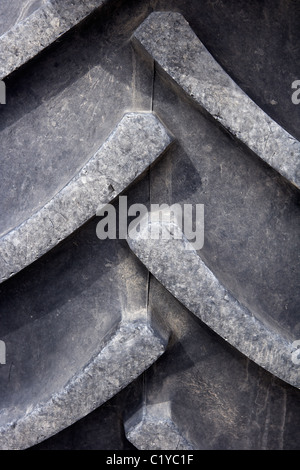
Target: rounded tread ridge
pixel 176 264
pixel 138 140
pixel 169 40
pixel 46 24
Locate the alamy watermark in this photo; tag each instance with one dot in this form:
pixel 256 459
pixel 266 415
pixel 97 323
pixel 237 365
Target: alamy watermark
pixel 2 353
pixel 2 92
pixel 162 221
pixel 296 94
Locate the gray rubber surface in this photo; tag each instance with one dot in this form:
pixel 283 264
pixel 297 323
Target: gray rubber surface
pixel 172 349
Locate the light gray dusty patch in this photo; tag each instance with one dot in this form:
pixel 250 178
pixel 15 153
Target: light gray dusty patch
pixel 152 428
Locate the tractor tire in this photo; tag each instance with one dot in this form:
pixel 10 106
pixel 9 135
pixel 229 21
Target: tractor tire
pixel 127 341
